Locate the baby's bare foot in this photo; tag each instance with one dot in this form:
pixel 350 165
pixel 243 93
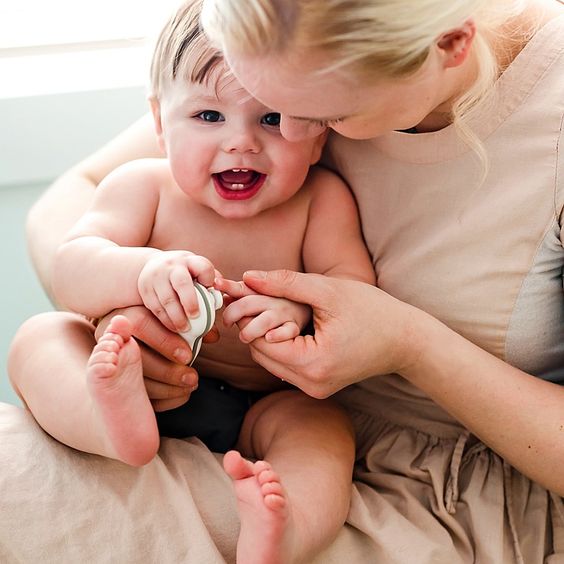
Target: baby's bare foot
pixel 115 380
pixel 267 530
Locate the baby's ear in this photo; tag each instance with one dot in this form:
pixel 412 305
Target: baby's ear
pixel 156 111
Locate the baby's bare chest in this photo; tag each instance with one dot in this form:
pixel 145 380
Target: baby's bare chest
pixel 270 241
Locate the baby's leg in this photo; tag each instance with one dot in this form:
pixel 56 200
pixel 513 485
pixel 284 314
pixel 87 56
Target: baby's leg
pixel 87 395
pixel 294 500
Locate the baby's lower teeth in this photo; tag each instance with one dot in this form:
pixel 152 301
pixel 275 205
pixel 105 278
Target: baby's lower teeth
pixel 237 186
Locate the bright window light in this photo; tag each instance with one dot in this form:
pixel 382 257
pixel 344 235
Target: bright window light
pixel 54 46
pixel 41 23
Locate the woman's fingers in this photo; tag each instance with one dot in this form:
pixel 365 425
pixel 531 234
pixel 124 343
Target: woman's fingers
pixel 165 405
pixel 160 370
pixel 168 385
pixel 287 360
pixel 147 329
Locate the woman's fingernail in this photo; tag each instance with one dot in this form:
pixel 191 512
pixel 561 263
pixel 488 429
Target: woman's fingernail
pixel 188 380
pixel 182 356
pixel 255 274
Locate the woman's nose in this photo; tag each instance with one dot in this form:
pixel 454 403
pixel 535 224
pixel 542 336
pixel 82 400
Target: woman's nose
pixel 297 130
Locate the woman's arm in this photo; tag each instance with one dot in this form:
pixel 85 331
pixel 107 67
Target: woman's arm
pixel 70 195
pixel 361 331
pixel 519 416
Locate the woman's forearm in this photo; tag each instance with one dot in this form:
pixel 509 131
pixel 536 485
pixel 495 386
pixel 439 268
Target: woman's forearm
pixel 50 219
pixel 519 416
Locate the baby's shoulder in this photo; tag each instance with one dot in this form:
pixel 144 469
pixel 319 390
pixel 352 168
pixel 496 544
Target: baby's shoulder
pixel 151 170
pixel 323 183
pixel 139 175
pixel 138 183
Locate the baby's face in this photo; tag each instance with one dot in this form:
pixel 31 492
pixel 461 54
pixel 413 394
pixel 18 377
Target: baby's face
pixel 226 151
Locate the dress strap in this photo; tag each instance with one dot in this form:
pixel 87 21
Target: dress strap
pixel 451 489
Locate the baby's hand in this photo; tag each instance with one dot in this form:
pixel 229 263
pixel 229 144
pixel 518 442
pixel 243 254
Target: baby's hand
pixel 275 319
pixel 166 286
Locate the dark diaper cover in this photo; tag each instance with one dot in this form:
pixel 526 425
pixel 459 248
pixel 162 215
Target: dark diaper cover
pixel 214 414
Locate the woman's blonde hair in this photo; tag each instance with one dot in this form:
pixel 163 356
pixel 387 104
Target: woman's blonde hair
pixel 365 38
pixel 183 50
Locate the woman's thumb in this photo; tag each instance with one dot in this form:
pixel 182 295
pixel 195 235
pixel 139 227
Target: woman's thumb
pixel 295 286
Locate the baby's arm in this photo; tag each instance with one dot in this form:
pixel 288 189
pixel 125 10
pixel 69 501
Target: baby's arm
pixel 333 243
pixel 104 264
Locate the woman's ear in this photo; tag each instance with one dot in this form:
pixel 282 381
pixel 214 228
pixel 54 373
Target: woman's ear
pixel 455 45
pixel 156 111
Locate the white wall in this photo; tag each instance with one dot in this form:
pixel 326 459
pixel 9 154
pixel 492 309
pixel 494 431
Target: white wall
pixel 40 137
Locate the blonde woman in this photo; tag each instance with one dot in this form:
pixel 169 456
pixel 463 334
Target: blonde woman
pixel 448 128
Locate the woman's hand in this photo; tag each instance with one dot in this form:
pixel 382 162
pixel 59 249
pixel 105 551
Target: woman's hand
pixel 165 355
pixel 360 331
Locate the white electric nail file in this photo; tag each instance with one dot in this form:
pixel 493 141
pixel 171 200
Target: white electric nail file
pixel 209 300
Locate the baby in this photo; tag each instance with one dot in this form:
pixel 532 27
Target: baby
pixel 232 194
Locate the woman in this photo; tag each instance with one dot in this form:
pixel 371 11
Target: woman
pixel 450 121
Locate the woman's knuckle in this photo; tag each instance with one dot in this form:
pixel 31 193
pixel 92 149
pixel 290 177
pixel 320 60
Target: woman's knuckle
pixel 139 321
pixel 287 276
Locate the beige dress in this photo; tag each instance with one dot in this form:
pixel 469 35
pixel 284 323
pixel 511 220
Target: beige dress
pixel 487 260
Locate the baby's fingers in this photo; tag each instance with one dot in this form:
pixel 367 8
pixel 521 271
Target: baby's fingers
pixel 247 306
pixel 183 285
pixel 153 303
pixel 201 269
pixel 232 288
pixel 285 332
pixel 170 303
pixel 260 326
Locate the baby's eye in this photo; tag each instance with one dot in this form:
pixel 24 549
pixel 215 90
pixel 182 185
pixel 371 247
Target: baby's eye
pixel 211 116
pixel 272 119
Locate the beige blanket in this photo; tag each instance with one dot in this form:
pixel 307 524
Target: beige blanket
pixel 60 505
pixel 425 492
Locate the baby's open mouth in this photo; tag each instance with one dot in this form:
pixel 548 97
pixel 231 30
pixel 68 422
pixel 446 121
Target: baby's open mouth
pixel 238 183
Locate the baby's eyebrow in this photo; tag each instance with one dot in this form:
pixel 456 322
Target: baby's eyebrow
pixel 206 98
